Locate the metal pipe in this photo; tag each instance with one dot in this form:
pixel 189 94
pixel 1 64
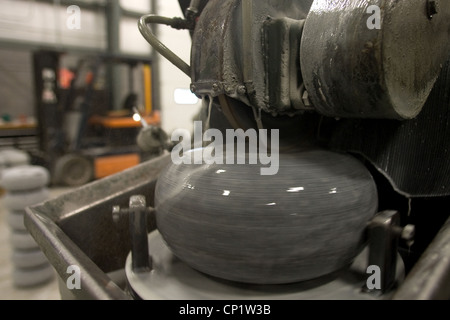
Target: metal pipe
pixel 430 277
pixel 194 4
pixel 158 45
pixel 132 14
pixel 155 67
pixel 113 17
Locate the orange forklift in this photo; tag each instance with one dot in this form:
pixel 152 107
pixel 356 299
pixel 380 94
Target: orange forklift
pixel 82 139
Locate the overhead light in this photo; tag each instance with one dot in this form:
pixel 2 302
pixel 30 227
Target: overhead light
pixel 137 117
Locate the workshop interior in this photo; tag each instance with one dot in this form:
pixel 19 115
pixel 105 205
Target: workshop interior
pixel 349 100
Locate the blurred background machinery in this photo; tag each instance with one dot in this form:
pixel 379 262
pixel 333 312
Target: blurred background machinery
pixel 82 137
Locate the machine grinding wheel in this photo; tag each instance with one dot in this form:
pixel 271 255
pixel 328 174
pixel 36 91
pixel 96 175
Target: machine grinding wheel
pixel 353 69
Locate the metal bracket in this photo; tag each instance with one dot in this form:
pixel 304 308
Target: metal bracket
pixel 384 234
pixel 137 216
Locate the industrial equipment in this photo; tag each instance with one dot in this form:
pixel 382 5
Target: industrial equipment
pixel 357 95
pixel 81 135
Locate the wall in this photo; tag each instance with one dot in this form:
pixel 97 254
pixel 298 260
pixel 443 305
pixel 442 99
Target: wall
pixel 37 22
pixel 174 115
pixel 16 85
pixel 131 40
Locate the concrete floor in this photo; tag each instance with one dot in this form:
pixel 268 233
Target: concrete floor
pixel 8 291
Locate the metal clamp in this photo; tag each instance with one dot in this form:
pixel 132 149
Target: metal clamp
pixel 137 216
pixel 384 234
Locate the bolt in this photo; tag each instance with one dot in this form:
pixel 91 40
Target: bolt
pixel 241 90
pixel 408 232
pixel 215 87
pixel 118 214
pixel 229 89
pixel 193 88
pixel 137 202
pixel 432 8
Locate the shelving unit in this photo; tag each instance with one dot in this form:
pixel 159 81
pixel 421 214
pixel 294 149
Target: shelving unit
pixel 20 136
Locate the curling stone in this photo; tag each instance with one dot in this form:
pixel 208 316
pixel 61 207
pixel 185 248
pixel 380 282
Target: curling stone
pixel 230 222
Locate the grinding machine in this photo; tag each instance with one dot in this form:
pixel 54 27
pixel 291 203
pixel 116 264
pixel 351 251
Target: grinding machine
pixel 358 94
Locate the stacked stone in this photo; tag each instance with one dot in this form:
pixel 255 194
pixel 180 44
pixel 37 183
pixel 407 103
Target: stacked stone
pixel 25 186
pixel 13 158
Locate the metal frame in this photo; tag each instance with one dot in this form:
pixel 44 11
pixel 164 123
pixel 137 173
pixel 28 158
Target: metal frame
pixel 77 228
pixel 430 277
